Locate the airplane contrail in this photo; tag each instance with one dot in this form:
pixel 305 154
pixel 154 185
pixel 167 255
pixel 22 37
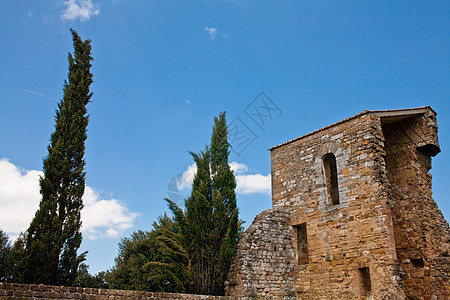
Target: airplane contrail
pixel 34 93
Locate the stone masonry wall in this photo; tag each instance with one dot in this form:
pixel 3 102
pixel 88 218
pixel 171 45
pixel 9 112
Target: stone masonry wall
pixel 421 232
pixel 352 205
pixel 357 233
pixel 264 264
pixel 31 291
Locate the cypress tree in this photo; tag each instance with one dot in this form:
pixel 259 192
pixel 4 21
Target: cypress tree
pixel 225 211
pixel 54 236
pixel 210 224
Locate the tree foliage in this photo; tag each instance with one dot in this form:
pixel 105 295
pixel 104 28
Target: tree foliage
pixel 209 224
pixel 5 250
pixel 85 279
pixel 10 257
pixel 54 236
pixel 151 260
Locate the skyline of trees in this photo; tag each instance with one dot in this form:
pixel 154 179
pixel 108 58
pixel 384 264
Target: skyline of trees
pixel 189 252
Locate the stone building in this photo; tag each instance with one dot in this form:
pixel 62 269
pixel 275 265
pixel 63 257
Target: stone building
pixel 352 215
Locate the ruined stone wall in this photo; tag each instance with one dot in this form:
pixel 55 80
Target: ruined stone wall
pixel 353 202
pixel 421 231
pixel 264 264
pixel 340 251
pixel 355 234
pixel 427 279
pixel 33 291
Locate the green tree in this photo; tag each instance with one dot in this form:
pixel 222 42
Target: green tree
pixel 151 260
pixel 225 212
pixel 85 279
pixel 54 236
pixel 10 257
pixel 5 251
pixel 210 224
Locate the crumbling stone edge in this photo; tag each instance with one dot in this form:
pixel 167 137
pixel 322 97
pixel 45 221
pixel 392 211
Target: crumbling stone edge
pixel 39 291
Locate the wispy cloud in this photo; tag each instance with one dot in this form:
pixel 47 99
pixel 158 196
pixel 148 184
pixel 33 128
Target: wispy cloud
pixel 20 197
pixel 80 9
pixel 245 183
pixel 41 95
pixel 212 31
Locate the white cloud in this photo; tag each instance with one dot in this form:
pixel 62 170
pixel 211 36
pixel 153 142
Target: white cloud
pixel 187 178
pixel 245 183
pixel 253 183
pixel 20 197
pixel 212 32
pixel 80 9
pixel 104 218
pixel 237 167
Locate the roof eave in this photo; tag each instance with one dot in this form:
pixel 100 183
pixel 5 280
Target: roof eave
pixel 404 112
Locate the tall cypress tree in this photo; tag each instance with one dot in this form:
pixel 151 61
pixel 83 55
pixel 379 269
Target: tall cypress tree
pixel 210 222
pixel 54 236
pixel 225 211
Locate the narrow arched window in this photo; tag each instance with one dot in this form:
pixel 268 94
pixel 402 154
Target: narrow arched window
pixel 329 164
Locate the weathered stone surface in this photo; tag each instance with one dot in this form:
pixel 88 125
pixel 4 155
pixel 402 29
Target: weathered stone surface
pixel 373 230
pixel 264 265
pixel 43 292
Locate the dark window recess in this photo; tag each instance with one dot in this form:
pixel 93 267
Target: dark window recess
pixel 417 262
pixel 302 244
pixel 430 149
pixel 364 275
pixel 329 164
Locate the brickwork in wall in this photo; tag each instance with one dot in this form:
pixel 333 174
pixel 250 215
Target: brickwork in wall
pixel 264 265
pixel 358 198
pixel 31 291
pixel 421 231
pixel 354 234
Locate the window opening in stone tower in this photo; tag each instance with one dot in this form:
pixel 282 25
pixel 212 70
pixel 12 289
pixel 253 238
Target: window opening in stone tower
pixel 417 262
pixel 364 279
pixel 329 164
pixel 302 244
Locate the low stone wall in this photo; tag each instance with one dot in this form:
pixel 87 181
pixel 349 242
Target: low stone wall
pixel 32 291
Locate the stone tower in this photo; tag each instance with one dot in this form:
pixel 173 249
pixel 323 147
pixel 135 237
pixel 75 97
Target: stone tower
pixel 352 215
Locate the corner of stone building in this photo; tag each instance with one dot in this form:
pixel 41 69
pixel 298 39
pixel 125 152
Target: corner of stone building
pixel 421 233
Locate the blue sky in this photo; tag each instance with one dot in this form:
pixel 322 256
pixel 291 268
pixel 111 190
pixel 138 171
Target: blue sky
pixel 163 69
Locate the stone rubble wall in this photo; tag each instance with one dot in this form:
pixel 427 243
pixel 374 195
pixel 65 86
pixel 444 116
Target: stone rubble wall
pixel 264 264
pixel 32 291
pixel 357 232
pixel 430 280
pixel 439 277
pixel 421 232
pixel 385 239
